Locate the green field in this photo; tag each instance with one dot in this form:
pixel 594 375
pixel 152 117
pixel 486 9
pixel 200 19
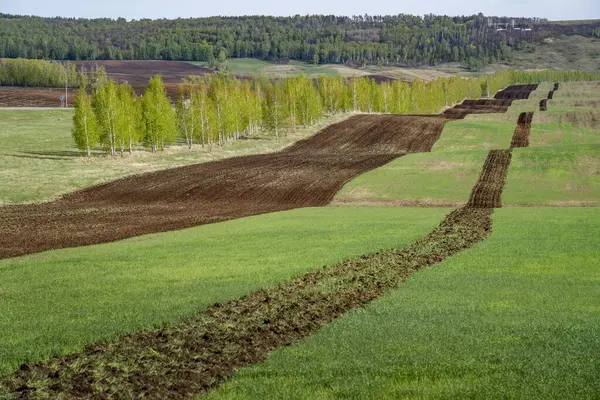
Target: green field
pixel 425 179
pixel 40 162
pixel 515 317
pixel 57 301
pixel 565 175
pixel 560 168
pixel 255 67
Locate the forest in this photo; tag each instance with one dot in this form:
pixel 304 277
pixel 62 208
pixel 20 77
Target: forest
pixel 358 40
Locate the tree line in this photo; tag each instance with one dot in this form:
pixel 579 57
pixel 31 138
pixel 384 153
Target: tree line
pixel 48 73
pixel 212 110
pixel 396 39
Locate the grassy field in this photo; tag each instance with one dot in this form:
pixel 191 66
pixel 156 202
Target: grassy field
pixel 443 177
pixel 39 160
pixel 515 317
pixel 565 52
pixel 56 302
pixel 425 179
pixel 560 168
pixel 254 67
pixel 564 175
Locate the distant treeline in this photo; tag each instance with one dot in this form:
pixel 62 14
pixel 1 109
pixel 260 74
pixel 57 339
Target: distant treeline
pixel 396 39
pixel 214 109
pixel 23 72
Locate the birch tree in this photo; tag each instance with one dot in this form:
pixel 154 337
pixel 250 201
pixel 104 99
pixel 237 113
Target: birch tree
pixel 85 130
pixel 159 120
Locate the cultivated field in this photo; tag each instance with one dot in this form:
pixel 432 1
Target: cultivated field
pixel 41 162
pixel 468 327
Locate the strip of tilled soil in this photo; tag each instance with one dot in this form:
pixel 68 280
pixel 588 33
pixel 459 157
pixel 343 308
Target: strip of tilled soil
pixel 306 174
pixel 544 102
pixel 521 135
pixel 488 189
pixel 516 92
pixel 201 352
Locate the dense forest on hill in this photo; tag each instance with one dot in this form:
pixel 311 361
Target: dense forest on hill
pixel 400 39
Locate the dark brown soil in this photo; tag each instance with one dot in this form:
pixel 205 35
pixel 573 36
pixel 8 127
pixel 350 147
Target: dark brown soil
pixel 307 174
pixel 516 92
pixel 138 73
pixel 544 105
pixel 521 135
pixel 550 94
pixel 11 96
pixel 488 189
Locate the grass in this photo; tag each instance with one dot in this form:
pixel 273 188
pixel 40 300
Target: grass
pixel 517 316
pixel 564 53
pixel 56 302
pixel 475 135
pixel 564 175
pixel 443 177
pixel 427 179
pixel 562 132
pixel 255 67
pixel 39 160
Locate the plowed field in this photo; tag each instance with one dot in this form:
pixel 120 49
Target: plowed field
pixel 194 356
pixel 521 135
pixel 306 174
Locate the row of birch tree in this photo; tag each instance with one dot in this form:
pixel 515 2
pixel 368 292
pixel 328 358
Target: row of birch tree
pixel 212 110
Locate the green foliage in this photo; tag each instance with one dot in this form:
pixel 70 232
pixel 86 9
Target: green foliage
pixel 316 39
pixel 22 72
pixel 85 130
pixel 219 108
pixel 128 118
pixel 106 108
pixel 159 120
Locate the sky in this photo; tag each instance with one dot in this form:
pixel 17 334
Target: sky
pixel 136 9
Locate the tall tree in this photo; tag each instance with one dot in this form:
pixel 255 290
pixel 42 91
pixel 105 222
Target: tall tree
pixel 128 124
pixel 159 120
pixel 85 130
pixel 106 106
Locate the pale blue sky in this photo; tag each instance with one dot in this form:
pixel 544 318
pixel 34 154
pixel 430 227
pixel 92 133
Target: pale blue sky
pixel 551 9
